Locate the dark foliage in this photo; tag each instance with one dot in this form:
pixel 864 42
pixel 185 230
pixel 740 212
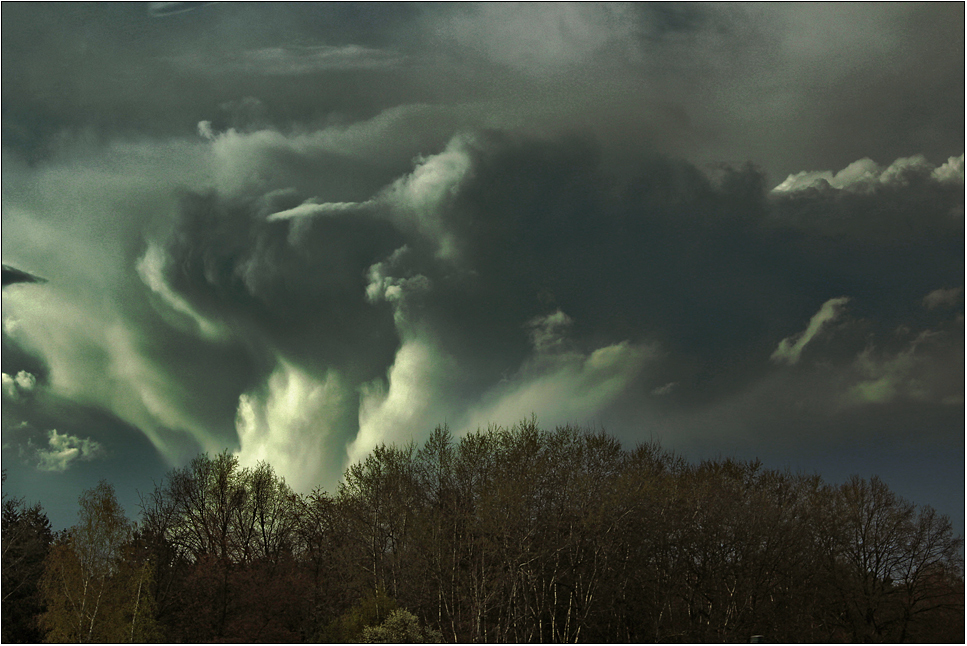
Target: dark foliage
pixel 26 539
pixel 520 535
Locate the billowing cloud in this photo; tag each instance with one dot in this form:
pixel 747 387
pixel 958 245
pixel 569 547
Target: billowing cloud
pixel 420 199
pixel 410 402
pixel 863 173
pixel 15 386
pixel 383 286
pixel 296 231
pixel 951 171
pixel 292 422
pixel 791 347
pixel 64 449
pixel 909 200
pixel 265 308
pixel 866 175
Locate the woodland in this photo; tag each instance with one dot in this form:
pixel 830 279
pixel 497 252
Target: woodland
pixel 506 535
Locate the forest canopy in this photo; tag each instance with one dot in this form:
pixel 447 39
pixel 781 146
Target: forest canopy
pixel 503 535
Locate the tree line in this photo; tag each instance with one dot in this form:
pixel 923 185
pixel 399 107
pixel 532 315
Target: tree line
pixel 504 535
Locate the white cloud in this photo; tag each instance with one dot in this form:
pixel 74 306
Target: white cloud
pixel 565 388
pixel 9 386
pixel 791 347
pixel 412 404
pixel 864 172
pixel 66 449
pixel 561 384
pixel 78 218
pixel 311 208
pixel 865 175
pixel 97 358
pixel 383 286
pixel 951 172
pixel 414 397
pixel 418 199
pixel 939 297
pixel 205 130
pixel 290 424
pixel 898 172
pixel 13 386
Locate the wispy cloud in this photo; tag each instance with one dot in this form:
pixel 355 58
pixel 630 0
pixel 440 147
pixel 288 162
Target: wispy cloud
pixel 662 391
pixel 572 387
pixel 311 208
pixel 290 60
pixel 161 9
pixel 150 268
pixel 792 346
pixel 920 371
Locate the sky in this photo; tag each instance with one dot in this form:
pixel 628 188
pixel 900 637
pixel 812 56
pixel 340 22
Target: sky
pixel 295 231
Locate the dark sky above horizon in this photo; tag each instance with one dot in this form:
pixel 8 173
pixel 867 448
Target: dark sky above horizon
pixel 294 231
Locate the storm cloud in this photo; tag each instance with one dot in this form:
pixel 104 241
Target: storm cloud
pixel 302 231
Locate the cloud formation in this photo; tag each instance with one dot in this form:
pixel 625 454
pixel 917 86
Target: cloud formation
pixel 943 297
pixel 15 386
pixel 866 175
pixel 466 289
pixel 791 347
pixel 63 450
pixel 290 423
pixel 916 372
pixel 295 232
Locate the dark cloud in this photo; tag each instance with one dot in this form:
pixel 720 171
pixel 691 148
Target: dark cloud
pixel 538 226
pixel 12 275
pixel 295 285
pixel 295 231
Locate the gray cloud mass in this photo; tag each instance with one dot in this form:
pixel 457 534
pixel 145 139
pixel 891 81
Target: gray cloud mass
pixel 296 231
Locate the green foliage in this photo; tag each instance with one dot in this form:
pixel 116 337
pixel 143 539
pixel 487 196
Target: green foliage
pixel 401 627
pixel 372 609
pixel 95 589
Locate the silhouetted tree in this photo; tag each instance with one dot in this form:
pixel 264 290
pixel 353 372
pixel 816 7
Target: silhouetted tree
pixel 225 540
pixel 26 539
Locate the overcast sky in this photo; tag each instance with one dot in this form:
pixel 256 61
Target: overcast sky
pixel 297 231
